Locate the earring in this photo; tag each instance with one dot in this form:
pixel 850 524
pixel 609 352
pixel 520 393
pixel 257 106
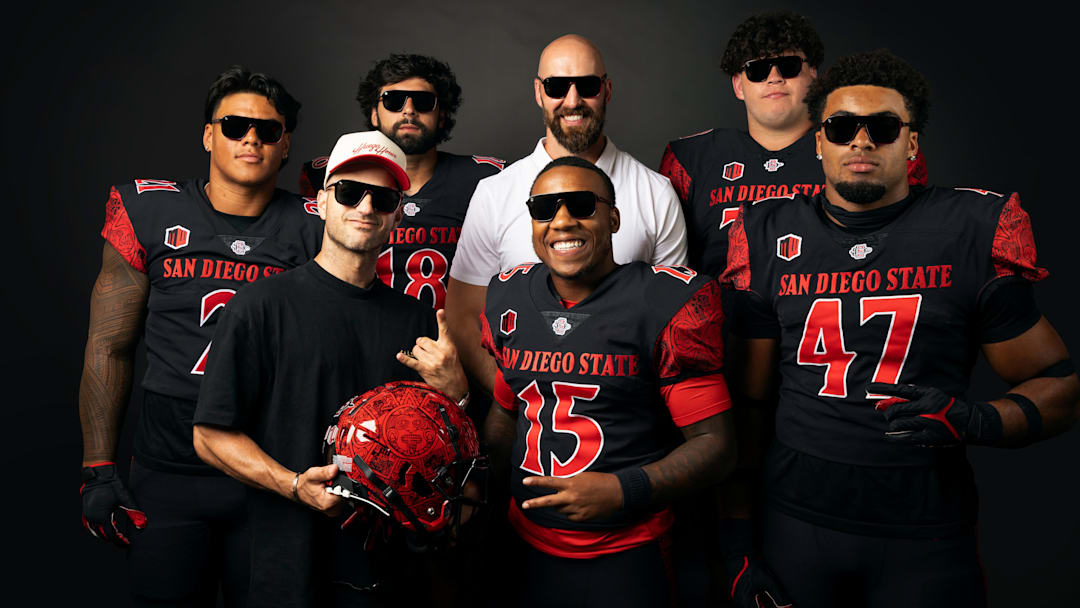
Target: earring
pixel 818 156
pixel 912 157
pixel 207 148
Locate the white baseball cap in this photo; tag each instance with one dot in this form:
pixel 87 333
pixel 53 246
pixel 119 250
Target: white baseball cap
pixel 370 146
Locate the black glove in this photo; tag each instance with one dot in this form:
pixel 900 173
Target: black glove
pixel 753 585
pixel 109 512
pixel 926 416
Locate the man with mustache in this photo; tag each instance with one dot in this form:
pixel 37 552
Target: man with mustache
pixel 572 89
pixel 412 100
pixel 873 299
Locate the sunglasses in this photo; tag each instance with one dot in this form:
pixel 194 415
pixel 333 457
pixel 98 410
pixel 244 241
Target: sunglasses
pixel 758 70
pixel 350 193
pixel 422 101
pixel 236 127
pixel 556 87
pixel 581 205
pixel 881 129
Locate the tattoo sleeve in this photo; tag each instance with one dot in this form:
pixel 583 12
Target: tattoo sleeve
pixel 117 310
pixel 705 458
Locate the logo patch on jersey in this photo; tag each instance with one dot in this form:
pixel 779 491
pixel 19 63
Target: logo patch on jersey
pixel 410 208
pixel 563 322
pixel 508 322
pixel 773 165
pixel 148 185
pixel 498 163
pixel 733 171
pixel 239 247
pixel 311 205
pixel 789 247
pixel 177 236
pixel 860 251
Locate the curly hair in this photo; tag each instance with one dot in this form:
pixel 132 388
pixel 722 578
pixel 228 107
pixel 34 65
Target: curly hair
pixel 402 66
pixel 238 79
pixel 769 35
pixel 878 68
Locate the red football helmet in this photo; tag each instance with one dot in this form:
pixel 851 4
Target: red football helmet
pixel 406 450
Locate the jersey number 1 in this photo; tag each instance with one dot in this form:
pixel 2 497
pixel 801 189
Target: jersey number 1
pixel 822 341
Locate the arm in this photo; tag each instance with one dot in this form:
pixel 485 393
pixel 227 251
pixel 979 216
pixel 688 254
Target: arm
pixel 464 305
pixel 500 431
pixel 240 457
pixel 670 248
pixel 117 310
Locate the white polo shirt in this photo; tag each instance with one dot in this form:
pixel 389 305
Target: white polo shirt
pixel 497 233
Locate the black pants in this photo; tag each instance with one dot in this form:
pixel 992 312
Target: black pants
pixel 821 567
pixel 635 578
pixel 196 540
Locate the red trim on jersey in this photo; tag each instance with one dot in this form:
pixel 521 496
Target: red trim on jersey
pixel 693 341
pixel 1014 244
pixel 695 399
pixel 671 168
pixel 119 232
pixel 737 273
pixel 498 163
pixel 486 339
pixel 567 303
pixel 917 173
pixel 586 544
pixel 503 394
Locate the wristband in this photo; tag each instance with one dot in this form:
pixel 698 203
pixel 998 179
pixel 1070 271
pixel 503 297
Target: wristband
pixel 636 488
pixel 296 494
pixel 1031 412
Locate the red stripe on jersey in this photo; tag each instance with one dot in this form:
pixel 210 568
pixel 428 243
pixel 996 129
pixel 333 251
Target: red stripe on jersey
pixel 586 544
pixel 490 160
pixel 695 399
pixel 486 339
pixel 692 343
pixel 1014 244
pixel 737 273
pixel 503 394
pixel 119 232
pixel 671 168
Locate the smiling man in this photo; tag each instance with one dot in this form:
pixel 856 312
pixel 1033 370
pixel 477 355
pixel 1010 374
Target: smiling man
pixel 572 90
pixel 594 357
pixel 175 253
pixel 875 297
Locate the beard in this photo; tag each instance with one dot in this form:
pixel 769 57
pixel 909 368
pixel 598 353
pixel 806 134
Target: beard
pixel 412 143
pixel 577 139
pixel 861 193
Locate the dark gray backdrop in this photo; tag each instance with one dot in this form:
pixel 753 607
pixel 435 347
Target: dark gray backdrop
pixel 115 92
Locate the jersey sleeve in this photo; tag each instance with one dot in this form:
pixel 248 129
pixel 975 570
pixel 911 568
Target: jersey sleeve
pixel 917 173
pixel 120 233
pixel 477 256
pixel 312 175
pixel 689 359
pixel 737 274
pixel 671 168
pixel 1013 251
pixel 1006 309
pixel 231 387
pixel 670 249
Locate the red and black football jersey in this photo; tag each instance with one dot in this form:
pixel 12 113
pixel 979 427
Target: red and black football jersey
pixel 196 261
pixel 417 259
pixel 899 305
pixel 715 171
pixel 586 381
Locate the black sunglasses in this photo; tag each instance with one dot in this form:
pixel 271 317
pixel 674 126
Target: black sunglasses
pixel 880 128
pixel 758 70
pixel 580 204
pixel 556 87
pixel 236 127
pixel 422 101
pixel 350 193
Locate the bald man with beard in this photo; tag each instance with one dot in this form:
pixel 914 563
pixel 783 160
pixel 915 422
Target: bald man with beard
pixel 572 89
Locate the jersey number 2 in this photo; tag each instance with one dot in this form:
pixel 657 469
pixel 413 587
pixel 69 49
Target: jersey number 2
pixel 822 340
pixel 590 437
pixel 211 302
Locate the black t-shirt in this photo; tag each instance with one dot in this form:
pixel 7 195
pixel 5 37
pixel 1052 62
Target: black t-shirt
pixel 902 303
pixel 288 352
pixel 416 261
pixel 196 259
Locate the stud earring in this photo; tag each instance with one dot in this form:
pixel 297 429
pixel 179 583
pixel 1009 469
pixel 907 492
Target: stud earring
pixel 818 156
pixel 912 157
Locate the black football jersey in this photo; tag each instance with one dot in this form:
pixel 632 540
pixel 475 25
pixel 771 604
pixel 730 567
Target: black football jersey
pixel 195 262
pixel 585 381
pixel 899 304
pixel 715 171
pixel 417 259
